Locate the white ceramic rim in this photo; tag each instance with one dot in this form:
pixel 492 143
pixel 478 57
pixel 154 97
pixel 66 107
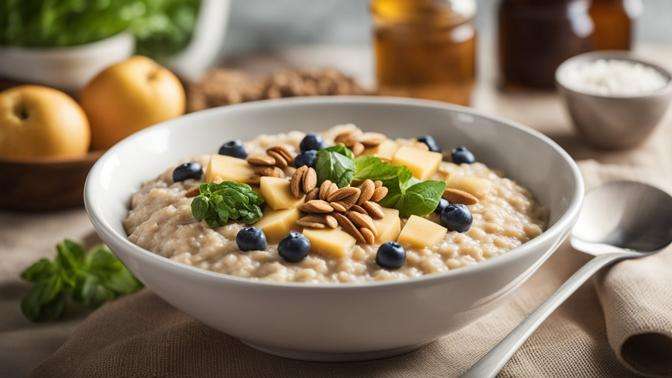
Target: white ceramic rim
pixel 555 231
pixel 613 55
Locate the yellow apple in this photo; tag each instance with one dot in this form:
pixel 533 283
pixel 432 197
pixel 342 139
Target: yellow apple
pixel 38 121
pixel 129 96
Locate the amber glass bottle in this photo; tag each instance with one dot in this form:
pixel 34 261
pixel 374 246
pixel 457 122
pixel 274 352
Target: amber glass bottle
pixel 425 48
pixel 614 23
pixel 535 36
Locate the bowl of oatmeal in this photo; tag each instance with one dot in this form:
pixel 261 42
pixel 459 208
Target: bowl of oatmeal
pixel 334 229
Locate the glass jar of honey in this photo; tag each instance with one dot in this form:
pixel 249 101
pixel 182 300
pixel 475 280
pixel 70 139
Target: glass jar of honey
pixel 614 23
pixel 536 36
pixel 425 48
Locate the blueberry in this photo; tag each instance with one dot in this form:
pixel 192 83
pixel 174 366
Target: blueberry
pixel 187 171
pixel 311 142
pixel 430 142
pixel 462 155
pixel 443 203
pixel 305 158
pixel 233 148
pixel 251 239
pixel 456 217
pixel 391 255
pixel 294 247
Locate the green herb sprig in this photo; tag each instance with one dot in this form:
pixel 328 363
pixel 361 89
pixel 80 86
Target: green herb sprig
pixel 405 193
pixel 219 203
pixel 335 163
pixel 87 278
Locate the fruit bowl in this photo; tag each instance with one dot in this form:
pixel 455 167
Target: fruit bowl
pixel 332 322
pixel 44 184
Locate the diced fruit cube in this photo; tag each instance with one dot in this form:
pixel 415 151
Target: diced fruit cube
pixel 330 242
pixel 422 163
pixel 276 224
pixel 227 168
pixel 276 193
pixel 384 150
pixel 420 232
pixel 476 186
pixel 389 226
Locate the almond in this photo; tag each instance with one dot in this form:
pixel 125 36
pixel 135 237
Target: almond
pixel 338 206
pixel 296 181
pixel 261 160
pixel 325 189
pixel 348 227
pixel 306 222
pixel 362 220
pixel 309 180
pixel 313 194
pixel 330 221
pixel 279 159
pixel 379 194
pixel 374 210
pixel 367 188
pixel 283 151
pixel 368 235
pixel 358 209
pixel 343 193
pixel 316 207
pixel 378 183
pixel 459 196
pixel 269 171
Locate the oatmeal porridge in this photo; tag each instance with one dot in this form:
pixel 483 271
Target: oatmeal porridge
pixel 340 206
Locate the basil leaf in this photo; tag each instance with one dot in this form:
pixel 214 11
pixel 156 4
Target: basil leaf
pixel 42 301
pixel 421 198
pixel 219 203
pixel 336 164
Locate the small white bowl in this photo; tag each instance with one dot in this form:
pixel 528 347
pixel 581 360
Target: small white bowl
pixel 614 121
pixel 67 68
pixel 330 322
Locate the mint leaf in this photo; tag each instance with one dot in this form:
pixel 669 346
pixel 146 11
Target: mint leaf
pixel 421 198
pixel 89 278
pixel 217 204
pixel 335 164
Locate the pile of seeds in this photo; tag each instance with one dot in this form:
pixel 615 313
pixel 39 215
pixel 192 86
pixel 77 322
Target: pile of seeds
pixel 273 163
pixel 357 141
pixel 353 208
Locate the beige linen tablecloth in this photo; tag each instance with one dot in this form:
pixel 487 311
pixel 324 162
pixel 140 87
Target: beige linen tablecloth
pixel 623 318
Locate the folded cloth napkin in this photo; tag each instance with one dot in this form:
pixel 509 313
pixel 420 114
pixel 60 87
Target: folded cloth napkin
pixel 620 326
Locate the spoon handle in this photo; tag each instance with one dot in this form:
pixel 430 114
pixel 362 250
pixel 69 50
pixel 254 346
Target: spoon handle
pixel 494 361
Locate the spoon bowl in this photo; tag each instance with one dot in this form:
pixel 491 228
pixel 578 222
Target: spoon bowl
pixel 624 214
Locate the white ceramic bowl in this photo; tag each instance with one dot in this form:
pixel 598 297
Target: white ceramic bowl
pixel 66 68
pixel 336 321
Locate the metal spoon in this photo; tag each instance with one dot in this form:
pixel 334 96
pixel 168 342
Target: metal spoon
pixel 619 221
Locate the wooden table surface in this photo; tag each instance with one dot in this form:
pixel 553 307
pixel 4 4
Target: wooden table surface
pixel 25 237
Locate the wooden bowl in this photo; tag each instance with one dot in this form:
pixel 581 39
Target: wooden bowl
pixel 44 184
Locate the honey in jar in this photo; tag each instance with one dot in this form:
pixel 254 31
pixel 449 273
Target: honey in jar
pixel 614 23
pixel 425 48
pixel 536 36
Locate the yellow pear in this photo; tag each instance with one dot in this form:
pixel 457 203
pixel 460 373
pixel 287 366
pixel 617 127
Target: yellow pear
pixel 37 121
pixel 129 96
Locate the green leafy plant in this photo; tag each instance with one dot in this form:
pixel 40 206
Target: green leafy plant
pixel 160 26
pixel 405 193
pixel 335 163
pixel 219 203
pixel 87 278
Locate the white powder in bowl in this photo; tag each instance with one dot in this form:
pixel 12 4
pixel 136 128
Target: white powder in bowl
pixel 613 78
